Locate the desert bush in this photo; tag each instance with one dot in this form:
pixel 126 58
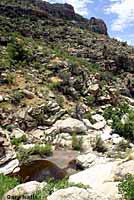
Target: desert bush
pixel 126 187
pixel 18 141
pixel 23 154
pixel 6 184
pixel 17 96
pixel 53 186
pixel 90 100
pixel 125 129
pixel 76 142
pixel 99 145
pixel 10 78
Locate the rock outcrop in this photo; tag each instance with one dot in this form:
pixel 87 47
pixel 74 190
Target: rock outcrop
pixel 64 11
pixel 8 161
pixel 98 26
pixel 97 177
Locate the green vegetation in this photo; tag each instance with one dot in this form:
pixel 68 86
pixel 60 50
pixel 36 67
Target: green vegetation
pixel 99 145
pixel 53 186
pixel 126 128
pixel 23 154
pixel 122 146
pixel 54 85
pixel 77 142
pixel 6 184
pixel 11 78
pixel 94 68
pixel 90 100
pixel 15 52
pixel 111 112
pixel 126 187
pixel 18 141
pixel 17 96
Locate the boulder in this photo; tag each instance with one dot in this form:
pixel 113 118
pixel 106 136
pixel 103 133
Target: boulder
pixel 118 140
pixel 9 167
pixel 1 98
pixel 99 125
pixel 98 117
pixel 93 89
pixel 28 94
pixel 25 190
pixel 100 122
pixel 68 125
pixel 73 193
pixel 88 160
pixel 97 178
pixel 123 169
pixel 18 133
pixel 37 134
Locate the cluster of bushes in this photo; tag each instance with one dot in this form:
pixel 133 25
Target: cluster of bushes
pixel 6 184
pixel 124 127
pixel 126 187
pixel 42 150
pixel 14 53
pixel 18 141
pixel 53 186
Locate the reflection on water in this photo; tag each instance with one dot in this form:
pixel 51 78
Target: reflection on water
pixel 40 170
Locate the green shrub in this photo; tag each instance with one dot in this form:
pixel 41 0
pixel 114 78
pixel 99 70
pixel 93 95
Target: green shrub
pixel 18 141
pixel 60 100
pixel 99 145
pixel 76 142
pixel 121 109
pixel 23 154
pixel 42 149
pixel 126 187
pixel 17 96
pixel 90 100
pixel 53 186
pixel 125 129
pixel 16 50
pixel 54 85
pixel 123 145
pixel 11 78
pixel 6 184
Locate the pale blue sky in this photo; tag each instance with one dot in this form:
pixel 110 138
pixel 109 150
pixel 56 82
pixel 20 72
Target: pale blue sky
pixel 118 15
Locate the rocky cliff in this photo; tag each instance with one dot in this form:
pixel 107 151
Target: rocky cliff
pixel 64 11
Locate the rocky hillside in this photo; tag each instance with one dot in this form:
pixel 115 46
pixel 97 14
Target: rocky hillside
pixel 66 103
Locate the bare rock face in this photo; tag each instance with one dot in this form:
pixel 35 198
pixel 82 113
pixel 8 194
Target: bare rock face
pixel 98 26
pixel 57 10
pixel 8 161
pixel 65 10
pixel 97 177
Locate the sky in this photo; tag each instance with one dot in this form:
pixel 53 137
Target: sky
pixel 117 14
